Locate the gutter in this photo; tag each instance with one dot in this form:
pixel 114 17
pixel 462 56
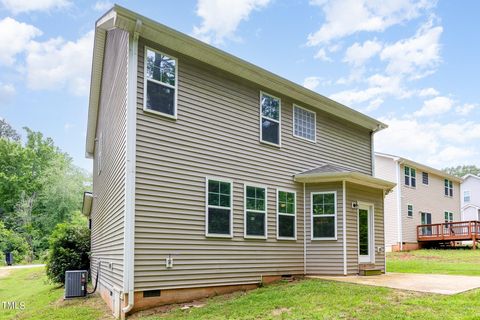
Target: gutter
pixel 399 204
pixel 129 236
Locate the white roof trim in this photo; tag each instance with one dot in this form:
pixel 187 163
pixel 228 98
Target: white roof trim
pixel 353 177
pixel 469 175
pixel 119 17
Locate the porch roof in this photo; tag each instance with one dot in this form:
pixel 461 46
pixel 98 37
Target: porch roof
pixel 332 173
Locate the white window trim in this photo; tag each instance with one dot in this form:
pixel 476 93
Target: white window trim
pixel 448 188
pixel 145 109
pixel 410 177
pixel 469 196
pixel 245 235
pixel 371 239
pixel 450 215
pixel 314 124
pixel 217 235
pixel 286 214
pixel 279 121
pixel 428 179
pixel 311 215
pixel 409 216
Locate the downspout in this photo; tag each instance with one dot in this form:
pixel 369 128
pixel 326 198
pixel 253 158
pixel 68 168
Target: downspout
pixel 399 205
pixel 304 231
pixel 129 236
pixel 344 216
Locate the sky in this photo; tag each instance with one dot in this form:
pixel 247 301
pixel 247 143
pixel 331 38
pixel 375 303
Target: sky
pixel 413 65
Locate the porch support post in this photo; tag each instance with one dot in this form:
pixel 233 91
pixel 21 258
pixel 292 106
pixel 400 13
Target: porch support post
pixel 344 225
pixel 304 231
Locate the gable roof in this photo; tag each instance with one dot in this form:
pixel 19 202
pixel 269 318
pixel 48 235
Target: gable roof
pixel 420 166
pixel 470 176
pixel 333 173
pixel 119 17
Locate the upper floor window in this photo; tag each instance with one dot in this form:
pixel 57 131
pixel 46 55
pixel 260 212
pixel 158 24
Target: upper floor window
pixel 286 209
pixel 410 177
pixel 425 178
pixel 448 188
pixel 324 215
pixel 219 208
pixel 160 83
pixel 410 210
pixel 255 212
pixel 466 196
pixel 304 123
pixel 270 119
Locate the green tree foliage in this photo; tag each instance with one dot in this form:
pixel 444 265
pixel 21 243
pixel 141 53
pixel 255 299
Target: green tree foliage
pixel 13 242
pixel 7 132
pixel 69 249
pixel 460 171
pixel 39 188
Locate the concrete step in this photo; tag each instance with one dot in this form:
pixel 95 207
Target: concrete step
pixel 370 272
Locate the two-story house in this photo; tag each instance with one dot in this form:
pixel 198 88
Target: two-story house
pixel 423 195
pixel 470 195
pixel 213 175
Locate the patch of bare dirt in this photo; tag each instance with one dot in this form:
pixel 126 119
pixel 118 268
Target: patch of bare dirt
pixel 4 272
pixel 279 311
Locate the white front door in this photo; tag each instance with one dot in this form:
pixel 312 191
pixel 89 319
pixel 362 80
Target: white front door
pixel 365 234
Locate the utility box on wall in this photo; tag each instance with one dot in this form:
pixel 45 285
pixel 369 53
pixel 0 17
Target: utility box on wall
pixel 76 283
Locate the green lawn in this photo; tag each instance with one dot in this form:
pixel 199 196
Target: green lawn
pixel 307 299
pixel 43 300
pixel 461 262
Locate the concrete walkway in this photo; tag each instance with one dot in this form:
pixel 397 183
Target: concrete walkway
pixel 430 283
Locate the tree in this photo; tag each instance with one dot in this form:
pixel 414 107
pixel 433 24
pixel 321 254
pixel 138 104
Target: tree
pixel 12 242
pixel 7 131
pixel 461 171
pixel 69 249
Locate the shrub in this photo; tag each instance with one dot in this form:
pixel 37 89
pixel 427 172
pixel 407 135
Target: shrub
pixel 69 250
pixel 10 241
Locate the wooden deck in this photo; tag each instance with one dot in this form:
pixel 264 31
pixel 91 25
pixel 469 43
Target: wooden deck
pixel 451 231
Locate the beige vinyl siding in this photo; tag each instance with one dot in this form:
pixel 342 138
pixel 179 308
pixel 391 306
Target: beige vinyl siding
pixel 325 256
pixel 386 168
pixel 427 198
pixel 369 195
pixel 217 135
pixel 109 187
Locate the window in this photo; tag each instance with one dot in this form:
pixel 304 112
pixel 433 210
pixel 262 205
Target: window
pixel 304 123
pixel 448 188
pixel 425 178
pixel 324 215
pixel 466 196
pixel 448 216
pixel 219 208
pixel 160 83
pixel 255 212
pixel 286 211
pixel 478 215
pixel 270 119
pixel 410 177
pixel 410 210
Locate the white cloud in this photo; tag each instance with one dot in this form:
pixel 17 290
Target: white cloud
pixel 433 143
pixel 357 54
pixel 417 56
pixel 18 6
pixel 221 18
pixel 7 91
pixel 311 82
pixel 322 55
pixel 14 39
pixel 58 64
pixel 346 17
pixel 102 6
pixel 435 106
pixel 465 109
pixel 427 92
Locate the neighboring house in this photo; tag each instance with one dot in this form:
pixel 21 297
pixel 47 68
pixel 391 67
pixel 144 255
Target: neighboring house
pixel 423 195
pixel 213 175
pixel 470 196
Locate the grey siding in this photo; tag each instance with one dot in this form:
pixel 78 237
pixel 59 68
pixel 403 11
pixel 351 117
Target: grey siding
pixel 109 187
pixel 217 134
pixel 375 197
